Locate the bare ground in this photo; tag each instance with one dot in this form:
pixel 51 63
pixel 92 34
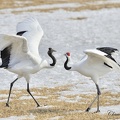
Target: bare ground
pixel 52 105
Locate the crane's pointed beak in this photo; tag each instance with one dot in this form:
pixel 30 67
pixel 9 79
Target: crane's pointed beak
pixel 65 54
pixel 54 50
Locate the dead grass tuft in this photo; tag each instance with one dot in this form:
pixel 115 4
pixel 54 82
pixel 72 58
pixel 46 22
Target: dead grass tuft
pixel 85 5
pixel 52 105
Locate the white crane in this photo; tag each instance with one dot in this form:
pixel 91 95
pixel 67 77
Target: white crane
pixel 96 63
pixel 20 55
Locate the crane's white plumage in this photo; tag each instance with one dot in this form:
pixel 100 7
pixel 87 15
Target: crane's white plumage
pixel 19 53
pixel 18 42
pixel 21 59
pixel 33 33
pixel 96 63
pixel 93 54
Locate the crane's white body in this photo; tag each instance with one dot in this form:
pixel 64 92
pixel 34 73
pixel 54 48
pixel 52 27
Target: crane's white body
pixel 96 63
pixel 92 65
pixel 20 54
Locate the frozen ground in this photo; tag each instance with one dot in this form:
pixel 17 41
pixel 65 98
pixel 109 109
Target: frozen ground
pixel 28 117
pixel 100 28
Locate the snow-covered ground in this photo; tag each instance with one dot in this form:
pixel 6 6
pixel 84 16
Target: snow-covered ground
pixel 99 28
pixel 29 117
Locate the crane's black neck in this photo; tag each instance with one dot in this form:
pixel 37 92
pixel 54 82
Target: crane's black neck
pixel 65 65
pixel 53 58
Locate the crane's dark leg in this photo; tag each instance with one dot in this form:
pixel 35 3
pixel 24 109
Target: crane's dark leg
pixel 97 97
pixel 11 85
pixel 28 90
pixel 87 110
pixel 98 94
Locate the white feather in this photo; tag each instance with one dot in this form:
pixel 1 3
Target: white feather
pixel 18 41
pixel 94 53
pixel 33 33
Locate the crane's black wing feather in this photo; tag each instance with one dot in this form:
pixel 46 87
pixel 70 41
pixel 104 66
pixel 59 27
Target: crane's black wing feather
pixel 108 51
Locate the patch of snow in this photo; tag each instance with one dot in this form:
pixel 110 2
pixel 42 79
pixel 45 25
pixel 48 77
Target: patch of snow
pixel 45 107
pixel 49 6
pixel 113 1
pixel 29 97
pixel 75 111
pixel 103 2
pixel 56 118
pixel 30 117
pixel 3 95
pixel 21 2
pixel 71 100
pixel 101 28
pixel 3 100
pixel 116 99
pixel 107 109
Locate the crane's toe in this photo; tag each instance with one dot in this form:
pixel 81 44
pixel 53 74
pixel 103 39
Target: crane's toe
pixel 7 105
pixel 87 110
pixel 38 105
pixel 97 111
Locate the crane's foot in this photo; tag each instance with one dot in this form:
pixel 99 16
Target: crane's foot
pixel 97 111
pixel 38 105
pixel 87 110
pixel 7 105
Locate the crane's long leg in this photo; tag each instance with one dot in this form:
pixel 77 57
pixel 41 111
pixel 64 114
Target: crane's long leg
pixel 87 110
pixel 97 97
pixel 28 90
pixel 98 94
pixel 11 85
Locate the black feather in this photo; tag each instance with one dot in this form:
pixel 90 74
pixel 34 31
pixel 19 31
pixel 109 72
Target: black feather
pixel 5 56
pixel 108 50
pixel 21 33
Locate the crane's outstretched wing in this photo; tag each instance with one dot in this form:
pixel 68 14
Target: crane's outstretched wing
pixel 32 31
pixel 108 50
pixel 95 53
pixel 12 48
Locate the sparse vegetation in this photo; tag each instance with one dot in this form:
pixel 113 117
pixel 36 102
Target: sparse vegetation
pixel 52 105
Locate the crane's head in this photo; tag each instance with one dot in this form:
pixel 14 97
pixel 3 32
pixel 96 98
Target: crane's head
pixel 50 51
pixel 67 54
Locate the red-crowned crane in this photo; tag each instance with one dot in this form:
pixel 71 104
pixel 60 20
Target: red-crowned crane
pixel 20 55
pixel 96 63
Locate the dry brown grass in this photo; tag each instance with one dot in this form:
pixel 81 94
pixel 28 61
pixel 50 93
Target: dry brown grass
pixel 22 4
pixel 68 110
pixel 13 3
